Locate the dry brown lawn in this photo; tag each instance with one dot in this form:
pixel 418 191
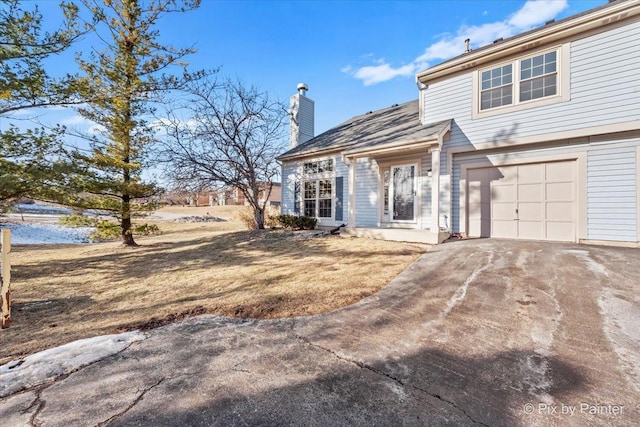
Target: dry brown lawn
pixel 66 292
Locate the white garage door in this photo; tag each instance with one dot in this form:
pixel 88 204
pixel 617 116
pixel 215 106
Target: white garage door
pixel 534 201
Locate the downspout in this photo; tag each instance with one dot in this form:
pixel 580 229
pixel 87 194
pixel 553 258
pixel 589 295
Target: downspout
pixel 421 88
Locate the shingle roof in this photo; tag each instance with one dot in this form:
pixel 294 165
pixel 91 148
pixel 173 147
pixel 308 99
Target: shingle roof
pixel 372 129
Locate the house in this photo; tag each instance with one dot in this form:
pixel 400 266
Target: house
pixel 533 137
pixel 234 196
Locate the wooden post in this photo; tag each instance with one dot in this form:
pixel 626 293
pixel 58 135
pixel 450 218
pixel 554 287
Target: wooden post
pixel 5 278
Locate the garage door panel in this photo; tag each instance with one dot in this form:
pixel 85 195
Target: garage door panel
pixel 479 175
pixel 560 211
pixel 503 211
pixel 559 171
pixel 560 191
pixel 504 229
pixel 561 231
pixel 530 192
pixel 531 230
pixel 478 193
pixel 503 175
pixel 479 210
pixel 503 193
pixel 530 173
pixel 531 211
pixel 479 228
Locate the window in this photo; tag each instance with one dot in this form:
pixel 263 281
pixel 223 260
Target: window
pixel 535 77
pixel 318 188
pixel 385 183
pixel 318 198
pixel 321 166
pixel 324 199
pixel 310 189
pixel 497 87
pixel 538 76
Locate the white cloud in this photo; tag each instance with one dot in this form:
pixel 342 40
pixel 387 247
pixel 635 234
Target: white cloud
pixel 373 74
pixel 536 12
pixel 531 14
pixel 76 120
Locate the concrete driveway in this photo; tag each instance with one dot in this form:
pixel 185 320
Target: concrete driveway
pixel 483 332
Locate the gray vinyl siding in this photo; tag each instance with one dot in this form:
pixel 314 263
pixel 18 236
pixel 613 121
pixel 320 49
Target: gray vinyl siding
pixel 612 192
pixel 292 172
pixel 366 192
pixel 306 118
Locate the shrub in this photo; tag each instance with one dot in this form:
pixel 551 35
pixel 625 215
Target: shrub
pixel 295 222
pixel 146 229
pixel 77 221
pixel 271 216
pixel 107 230
pixel 245 216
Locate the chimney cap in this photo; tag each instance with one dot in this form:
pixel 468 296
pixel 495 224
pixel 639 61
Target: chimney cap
pixel 302 89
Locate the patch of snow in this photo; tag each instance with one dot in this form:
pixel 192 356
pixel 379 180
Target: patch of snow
pixel 50 364
pixel 36 208
pixel 33 234
pixel 591 264
pixel 461 292
pixel 621 319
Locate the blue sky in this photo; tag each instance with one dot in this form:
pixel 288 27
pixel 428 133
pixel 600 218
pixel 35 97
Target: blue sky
pixel 356 56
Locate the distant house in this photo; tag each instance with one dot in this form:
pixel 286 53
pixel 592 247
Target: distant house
pixel 233 196
pixel 532 137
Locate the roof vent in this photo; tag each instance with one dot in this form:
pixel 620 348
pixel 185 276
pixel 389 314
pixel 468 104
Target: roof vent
pixel 498 40
pixel 550 21
pixel 394 105
pixel 466 46
pixel 302 89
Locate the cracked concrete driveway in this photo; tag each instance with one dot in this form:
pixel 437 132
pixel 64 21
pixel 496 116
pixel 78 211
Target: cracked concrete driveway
pixel 482 332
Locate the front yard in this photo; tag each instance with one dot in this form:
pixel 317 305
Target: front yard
pixel 66 292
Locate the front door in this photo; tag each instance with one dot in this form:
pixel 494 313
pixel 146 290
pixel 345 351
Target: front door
pixel 403 193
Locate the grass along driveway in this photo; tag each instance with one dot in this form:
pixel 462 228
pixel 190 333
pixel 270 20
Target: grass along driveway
pixel 66 292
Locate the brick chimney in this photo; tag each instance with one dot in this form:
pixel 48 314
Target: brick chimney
pixel 302 117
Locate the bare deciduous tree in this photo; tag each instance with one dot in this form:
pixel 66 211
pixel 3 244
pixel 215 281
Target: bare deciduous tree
pixel 225 134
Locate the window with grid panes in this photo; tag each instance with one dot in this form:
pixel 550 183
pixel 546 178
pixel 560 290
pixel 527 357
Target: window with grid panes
pixel 538 76
pixel 318 189
pixel 534 77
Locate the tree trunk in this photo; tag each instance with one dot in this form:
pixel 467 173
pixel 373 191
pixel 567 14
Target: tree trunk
pixel 258 215
pixel 125 224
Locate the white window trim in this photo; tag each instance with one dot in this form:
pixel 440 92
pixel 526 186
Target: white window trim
pixel 562 82
pixel 416 173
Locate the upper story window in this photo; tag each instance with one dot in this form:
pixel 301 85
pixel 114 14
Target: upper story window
pixel 522 80
pixel 497 87
pixel 320 166
pixel 538 76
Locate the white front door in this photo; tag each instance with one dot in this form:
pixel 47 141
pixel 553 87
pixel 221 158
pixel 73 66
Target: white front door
pixel 403 193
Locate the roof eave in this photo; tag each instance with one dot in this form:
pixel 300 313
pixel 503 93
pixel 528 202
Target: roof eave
pixel 314 153
pixel 543 36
